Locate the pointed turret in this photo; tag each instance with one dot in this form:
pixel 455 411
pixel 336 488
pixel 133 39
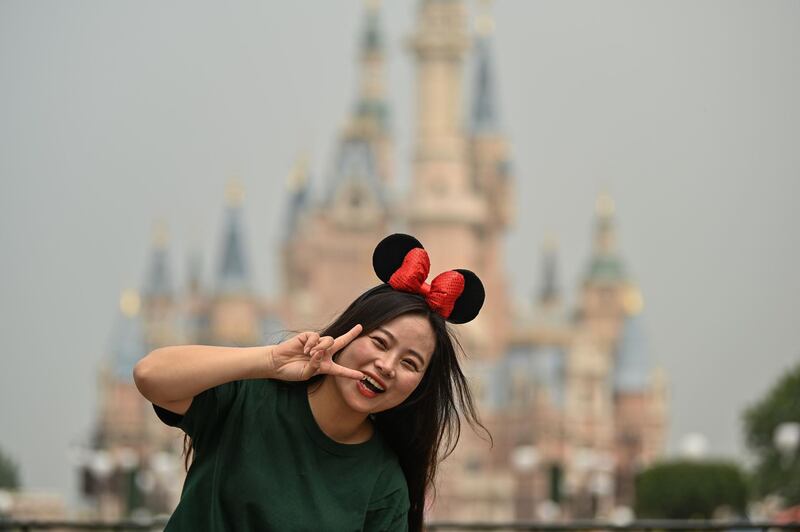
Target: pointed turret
pixel 362 171
pixel 492 168
pixel 485 113
pixel 158 282
pixel 550 317
pixel 549 293
pixel 233 276
pixel 371 108
pixel 605 264
pixel 158 304
pixel 370 117
pixel 609 295
pixel 297 185
pixel 355 186
pixel 193 318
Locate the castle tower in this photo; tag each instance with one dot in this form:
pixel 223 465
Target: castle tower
pixel 640 404
pixel 371 120
pixel 158 307
pixel 459 204
pixel 234 313
pixel 122 416
pixel 606 286
pixel 491 176
pixel 298 300
pixel 445 210
pixel 590 408
pixel 549 291
pixel 195 304
pixel 356 209
pixel 549 324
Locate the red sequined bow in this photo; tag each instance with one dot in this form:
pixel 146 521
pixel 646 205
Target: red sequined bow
pixel 443 291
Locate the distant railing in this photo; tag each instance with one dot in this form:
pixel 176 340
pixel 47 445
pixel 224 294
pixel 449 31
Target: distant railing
pixel 644 526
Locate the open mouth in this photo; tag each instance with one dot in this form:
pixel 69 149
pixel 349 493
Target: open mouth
pixel 372 385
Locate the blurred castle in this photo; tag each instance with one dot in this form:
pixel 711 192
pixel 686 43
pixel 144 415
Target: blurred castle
pixel 572 402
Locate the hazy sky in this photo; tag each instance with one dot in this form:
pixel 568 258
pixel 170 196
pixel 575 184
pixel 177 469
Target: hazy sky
pixel 115 114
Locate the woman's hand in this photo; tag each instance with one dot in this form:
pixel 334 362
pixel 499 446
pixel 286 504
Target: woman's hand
pixel 301 357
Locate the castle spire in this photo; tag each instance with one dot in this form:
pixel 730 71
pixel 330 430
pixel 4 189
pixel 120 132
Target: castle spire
pixel 370 118
pixel 485 115
pixel 355 190
pixel 549 291
pixel 233 276
pixel 605 264
pixel 371 110
pixel 297 185
pixel 158 281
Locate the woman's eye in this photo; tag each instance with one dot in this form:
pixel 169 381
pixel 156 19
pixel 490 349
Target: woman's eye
pixel 410 364
pixel 379 342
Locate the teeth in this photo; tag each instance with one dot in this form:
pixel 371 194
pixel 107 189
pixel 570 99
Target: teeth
pixel 373 382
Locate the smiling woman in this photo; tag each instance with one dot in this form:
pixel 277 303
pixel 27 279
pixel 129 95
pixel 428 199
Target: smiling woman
pixel 337 430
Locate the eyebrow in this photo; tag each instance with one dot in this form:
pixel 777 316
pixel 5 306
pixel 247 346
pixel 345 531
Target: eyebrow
pixel 393 339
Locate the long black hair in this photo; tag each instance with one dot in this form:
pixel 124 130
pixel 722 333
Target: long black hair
pixel 424 429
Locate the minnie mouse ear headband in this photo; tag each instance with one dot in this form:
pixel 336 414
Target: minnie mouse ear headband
pixel 402 262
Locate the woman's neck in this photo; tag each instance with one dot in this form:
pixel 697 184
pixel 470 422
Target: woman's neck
pixel 337 420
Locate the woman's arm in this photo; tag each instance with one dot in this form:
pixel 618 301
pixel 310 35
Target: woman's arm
pixel 171 376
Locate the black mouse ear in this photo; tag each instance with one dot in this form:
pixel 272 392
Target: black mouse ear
pixel 390 253
pixel 470 301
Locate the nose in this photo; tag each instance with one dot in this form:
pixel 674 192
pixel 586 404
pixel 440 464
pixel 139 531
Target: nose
pixel 385 367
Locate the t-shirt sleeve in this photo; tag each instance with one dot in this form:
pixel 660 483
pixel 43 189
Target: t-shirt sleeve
pixel 388 510
pixel 206 413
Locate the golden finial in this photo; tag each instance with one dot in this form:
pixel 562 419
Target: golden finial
pixel 299 175
pixel 234 193
pixel 160 234
pixel 484 23
pixel 632 301
pixel 129 303
pixel 604 205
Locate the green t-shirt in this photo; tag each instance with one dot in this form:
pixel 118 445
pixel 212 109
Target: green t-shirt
pixel 262 463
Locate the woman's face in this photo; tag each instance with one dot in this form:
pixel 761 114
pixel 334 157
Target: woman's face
pixel 394 358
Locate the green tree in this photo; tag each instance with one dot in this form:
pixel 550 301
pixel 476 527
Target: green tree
pixel 774 473
pixel 9 474
pixel 690 490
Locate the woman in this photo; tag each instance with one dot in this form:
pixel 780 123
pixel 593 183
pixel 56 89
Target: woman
pixel 340 430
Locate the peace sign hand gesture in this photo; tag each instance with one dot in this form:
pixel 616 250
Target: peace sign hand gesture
pixel 307 354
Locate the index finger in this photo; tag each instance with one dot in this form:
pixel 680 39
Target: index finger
pixel 335 369
pixel 346 338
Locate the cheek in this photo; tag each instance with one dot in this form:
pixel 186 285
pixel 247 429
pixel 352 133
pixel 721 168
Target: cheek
pixel 408 384
pixel 349 356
